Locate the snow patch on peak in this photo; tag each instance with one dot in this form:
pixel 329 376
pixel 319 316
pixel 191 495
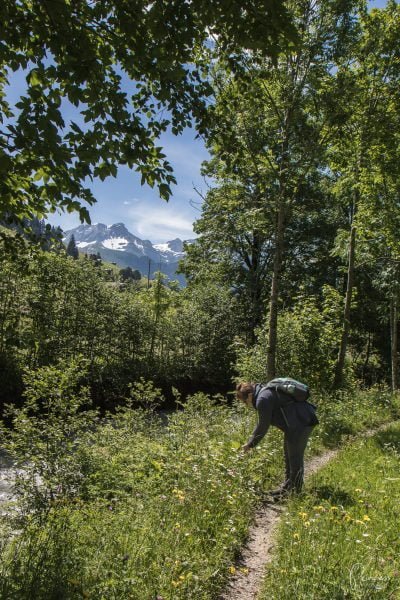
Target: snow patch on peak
pixel 173 248
pixel 162 247
pixel 115 243
pixel 84 244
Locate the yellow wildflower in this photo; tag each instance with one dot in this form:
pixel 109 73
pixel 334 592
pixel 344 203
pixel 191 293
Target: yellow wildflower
pixel 366 518
pixel 303 515
pixel 296 536
pixel 232 570
pixel 347 518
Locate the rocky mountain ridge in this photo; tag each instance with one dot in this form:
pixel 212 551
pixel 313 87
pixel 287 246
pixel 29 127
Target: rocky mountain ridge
pixel 116 244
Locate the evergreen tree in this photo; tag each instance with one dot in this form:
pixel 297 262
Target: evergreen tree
pixel 72 250
pixel 128 274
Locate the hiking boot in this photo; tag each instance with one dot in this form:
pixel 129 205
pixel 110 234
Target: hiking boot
pixel 279 494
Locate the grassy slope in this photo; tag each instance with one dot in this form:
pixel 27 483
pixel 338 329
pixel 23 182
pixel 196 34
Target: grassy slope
pixel 341 540
pixel 161 510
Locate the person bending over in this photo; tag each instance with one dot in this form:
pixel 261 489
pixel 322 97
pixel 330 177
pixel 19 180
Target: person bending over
pixel 296 420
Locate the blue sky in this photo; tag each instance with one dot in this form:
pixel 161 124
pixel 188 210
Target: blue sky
pixel 123 199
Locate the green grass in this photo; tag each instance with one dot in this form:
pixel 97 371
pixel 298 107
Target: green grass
pixel 341 540
pixel 159 511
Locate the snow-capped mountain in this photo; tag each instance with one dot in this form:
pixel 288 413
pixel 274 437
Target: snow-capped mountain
pixel 116 244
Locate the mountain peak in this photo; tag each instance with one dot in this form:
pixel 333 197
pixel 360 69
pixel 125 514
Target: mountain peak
pixel 116 244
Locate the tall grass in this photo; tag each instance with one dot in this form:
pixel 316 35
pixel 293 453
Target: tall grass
pixel 160 510
pixel 144 510
pixel 341 540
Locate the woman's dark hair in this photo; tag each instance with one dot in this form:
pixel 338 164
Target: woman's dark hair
pixel 244 388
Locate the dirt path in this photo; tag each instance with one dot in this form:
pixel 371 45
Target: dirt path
pixel 246 582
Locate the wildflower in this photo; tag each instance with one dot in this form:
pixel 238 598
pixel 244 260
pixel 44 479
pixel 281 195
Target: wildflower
pixel 307 524
pixel 244 570
pixel 296 536
pixel 232 570
pixel 358 490
pixel 179 494
pixel 303 515
pixel 334 508
pixel 366 518
pixel 347 518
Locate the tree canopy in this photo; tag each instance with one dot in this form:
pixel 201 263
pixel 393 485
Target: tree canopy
pixel 124 71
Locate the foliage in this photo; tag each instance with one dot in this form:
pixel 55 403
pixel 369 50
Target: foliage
pixel 72 249
pixel 56 308
pixel 47 433
pixel 308 336
pixel 342 541
pixel 161 509
pixel 98 79
pixel 188 476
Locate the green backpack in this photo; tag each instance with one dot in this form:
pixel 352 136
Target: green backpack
pixel 297 390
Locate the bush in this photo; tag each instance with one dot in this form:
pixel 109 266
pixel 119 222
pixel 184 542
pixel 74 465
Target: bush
pixel 308 339
pixel 48 434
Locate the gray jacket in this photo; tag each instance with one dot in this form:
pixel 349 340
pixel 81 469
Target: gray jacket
pixel 280 410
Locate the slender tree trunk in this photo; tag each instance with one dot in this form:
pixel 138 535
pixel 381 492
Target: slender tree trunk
pixel 394 341
pixel 275 289
pixel 367 356
pixel 338 379
pixel 255 289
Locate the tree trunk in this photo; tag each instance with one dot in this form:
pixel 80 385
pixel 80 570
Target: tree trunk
pixel 338 379
pixel 274 299
pixel 394 341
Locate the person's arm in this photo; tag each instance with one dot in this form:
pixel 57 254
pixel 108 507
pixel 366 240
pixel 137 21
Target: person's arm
pixel 264 410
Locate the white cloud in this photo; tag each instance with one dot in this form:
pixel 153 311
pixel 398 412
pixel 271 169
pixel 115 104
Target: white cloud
pixel 159 223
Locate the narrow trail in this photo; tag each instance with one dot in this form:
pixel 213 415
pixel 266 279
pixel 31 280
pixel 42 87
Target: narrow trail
pixel 246 582
pixel 257 553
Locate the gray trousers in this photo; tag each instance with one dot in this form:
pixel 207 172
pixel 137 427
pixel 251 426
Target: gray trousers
pixel 295 443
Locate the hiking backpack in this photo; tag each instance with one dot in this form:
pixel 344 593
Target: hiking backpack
pixel 297 390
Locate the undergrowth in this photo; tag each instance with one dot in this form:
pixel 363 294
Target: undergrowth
pixel 133 508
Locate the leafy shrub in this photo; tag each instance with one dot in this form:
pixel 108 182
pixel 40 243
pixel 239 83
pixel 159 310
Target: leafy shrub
pixel 48 433
pixel 308 338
